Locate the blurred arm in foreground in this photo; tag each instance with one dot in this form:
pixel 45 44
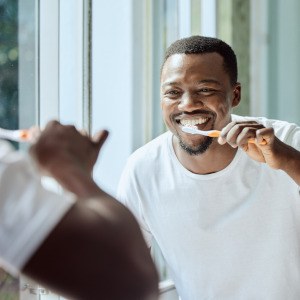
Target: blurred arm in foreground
pixel 91 248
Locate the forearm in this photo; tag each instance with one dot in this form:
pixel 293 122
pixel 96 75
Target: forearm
pixel 96 252
pixel 281 156
pixel 291 164
pixel 76 181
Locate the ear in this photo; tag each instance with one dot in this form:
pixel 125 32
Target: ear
pixel 236 95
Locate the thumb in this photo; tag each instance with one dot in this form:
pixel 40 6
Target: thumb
pixel 266 135
pixel 34 134
pixel 99 138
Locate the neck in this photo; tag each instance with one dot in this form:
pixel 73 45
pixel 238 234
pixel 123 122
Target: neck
pixel 215 159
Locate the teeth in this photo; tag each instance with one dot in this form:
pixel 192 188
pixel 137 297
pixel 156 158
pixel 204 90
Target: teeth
pixel 193 122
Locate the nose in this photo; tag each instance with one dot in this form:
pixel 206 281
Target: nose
pixel 188 103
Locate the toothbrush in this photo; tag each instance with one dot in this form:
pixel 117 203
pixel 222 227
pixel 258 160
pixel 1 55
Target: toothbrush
pixel 21 135
pixel 211 133
pixel 194 130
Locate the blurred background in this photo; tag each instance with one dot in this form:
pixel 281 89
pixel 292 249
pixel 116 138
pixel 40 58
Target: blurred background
pixel 96 64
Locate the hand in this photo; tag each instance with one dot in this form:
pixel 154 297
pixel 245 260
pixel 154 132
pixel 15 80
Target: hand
pixel 67 155
pixel 272 151
pixel 33 134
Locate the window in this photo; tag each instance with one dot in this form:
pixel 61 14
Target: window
pixel 17 84
pixel 44 74
pixel 96 64
pixel 9 64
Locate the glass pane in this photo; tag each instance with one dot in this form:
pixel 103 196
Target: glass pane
pixel 165 32
pixel 17 85
pixel 9 64
pixel 236 32
pixel 28 63
pixel 8 100
pixel 283 60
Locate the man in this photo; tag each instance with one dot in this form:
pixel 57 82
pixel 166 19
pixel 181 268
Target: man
pixel 91 248
pixel 225 212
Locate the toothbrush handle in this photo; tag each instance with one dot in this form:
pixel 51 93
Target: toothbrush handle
pixel 252 141
pixel 216 133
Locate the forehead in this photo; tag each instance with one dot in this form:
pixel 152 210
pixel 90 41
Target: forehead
pixel 204 66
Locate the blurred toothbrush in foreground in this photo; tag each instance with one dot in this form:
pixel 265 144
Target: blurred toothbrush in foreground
pixel 21 135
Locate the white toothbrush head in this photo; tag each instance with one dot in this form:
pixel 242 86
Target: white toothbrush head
pixel 189 129
pixel 195 130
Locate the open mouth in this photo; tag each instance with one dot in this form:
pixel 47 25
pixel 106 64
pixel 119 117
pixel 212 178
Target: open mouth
pixel 199 122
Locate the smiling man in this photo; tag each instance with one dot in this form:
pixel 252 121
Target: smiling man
pixel 225 212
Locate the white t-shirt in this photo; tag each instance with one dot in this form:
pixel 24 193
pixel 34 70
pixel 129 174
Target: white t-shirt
pixel 233 234
pixel 28 212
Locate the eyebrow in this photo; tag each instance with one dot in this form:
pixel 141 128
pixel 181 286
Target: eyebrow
pixel 209 81
pixel 169 83
pixel 198 82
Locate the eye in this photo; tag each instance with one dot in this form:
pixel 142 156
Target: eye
pixel 172 94
pixel 205 91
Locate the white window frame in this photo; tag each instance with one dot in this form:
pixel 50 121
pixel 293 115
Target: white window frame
pixel 258 58
pixel 63 57
pixel 62 81
pixel 117 88
pixel 208 18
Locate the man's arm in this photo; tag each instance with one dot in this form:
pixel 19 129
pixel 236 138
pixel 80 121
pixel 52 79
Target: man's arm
pixel 290 163
pixel 97 250
pixel 267 149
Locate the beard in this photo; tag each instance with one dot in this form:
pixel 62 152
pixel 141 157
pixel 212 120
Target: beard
pixel 198 149
pixel 202 146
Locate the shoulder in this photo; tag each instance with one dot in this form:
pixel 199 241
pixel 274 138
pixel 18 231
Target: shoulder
pixel 27 213
pixel 150 152
pixel 277 124
pixel 143 163
pixel 13 163
pixel 5 148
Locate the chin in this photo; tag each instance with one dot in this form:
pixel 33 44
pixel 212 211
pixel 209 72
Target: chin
pixel 198 149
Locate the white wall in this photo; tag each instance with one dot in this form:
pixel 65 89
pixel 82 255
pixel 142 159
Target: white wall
pixel 275 60
pixel 288 61
pixel 112 88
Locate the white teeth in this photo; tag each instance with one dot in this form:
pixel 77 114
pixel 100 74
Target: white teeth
pixel 193 122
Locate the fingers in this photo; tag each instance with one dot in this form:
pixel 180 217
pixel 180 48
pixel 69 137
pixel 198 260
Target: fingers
pixel 51 124
pixel 84 132
pixel 265 136
pixel 240 134
pixel 33 133
pixel 70 131
pixel 99 138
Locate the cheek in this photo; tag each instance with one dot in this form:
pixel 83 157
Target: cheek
pixel 168 110
pixel 223 107
pixel 167 117
pixel 223 110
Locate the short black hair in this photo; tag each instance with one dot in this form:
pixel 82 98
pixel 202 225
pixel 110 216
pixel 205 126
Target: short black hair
pixel 199 45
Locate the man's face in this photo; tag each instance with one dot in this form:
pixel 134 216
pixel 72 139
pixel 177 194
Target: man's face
pixel 196 90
